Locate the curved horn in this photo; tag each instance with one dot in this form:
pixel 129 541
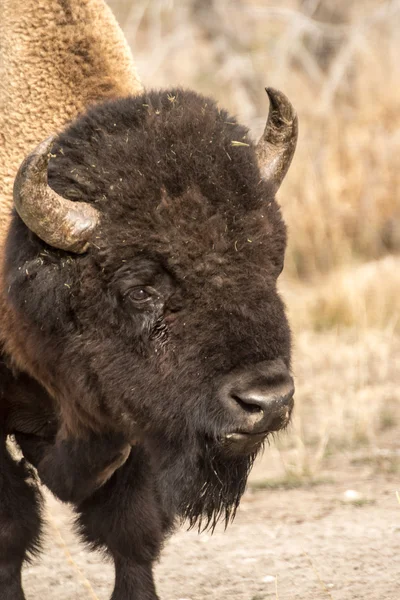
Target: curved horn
pixel 59 222
pixel 277 144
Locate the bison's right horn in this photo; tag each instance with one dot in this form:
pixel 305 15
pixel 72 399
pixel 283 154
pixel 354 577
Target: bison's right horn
pixel 276 147
pixel 59 222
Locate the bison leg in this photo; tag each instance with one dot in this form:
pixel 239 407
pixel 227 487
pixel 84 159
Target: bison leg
pixel 125 519
pixel 74 468
pixel 20 522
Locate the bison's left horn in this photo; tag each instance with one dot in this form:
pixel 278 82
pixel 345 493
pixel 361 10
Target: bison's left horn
pixel 59 222
pixel 276 147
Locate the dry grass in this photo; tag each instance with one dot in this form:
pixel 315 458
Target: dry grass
pixel 347 397
pixel 363 295
pixel 347 410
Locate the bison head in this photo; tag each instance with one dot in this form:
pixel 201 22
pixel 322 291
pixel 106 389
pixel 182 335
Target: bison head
pixel 142 265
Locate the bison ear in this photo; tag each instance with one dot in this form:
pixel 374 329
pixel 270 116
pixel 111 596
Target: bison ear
pixel 276 147
pixel 59 222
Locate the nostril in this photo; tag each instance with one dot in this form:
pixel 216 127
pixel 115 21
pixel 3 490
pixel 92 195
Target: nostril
pixel 263 403
pixel 258 398
pixel 248 405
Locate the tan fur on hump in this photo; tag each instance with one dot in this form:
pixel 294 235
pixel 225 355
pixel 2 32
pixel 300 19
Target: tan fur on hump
pixel 56 58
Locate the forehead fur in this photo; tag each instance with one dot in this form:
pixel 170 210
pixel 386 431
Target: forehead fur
pixel 169 171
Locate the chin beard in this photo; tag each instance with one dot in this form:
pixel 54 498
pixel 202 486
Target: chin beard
pixel 215 490
pixel 205 487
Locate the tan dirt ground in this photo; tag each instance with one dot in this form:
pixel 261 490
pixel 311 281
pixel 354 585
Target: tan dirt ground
pixel 311 540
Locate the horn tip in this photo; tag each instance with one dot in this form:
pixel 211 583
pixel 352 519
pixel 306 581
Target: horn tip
pixel 45 146
pixel 279 101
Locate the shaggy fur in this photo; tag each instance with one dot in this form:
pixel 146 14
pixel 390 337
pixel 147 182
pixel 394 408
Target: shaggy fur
pixel 56 58
pixel 114 360
pixel 186 217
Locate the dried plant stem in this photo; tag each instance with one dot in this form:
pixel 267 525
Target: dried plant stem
pixel 314 568
pixel 63 546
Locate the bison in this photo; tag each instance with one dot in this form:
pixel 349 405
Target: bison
pixel 145 349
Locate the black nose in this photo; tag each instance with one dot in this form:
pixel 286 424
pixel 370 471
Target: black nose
pixel 259 399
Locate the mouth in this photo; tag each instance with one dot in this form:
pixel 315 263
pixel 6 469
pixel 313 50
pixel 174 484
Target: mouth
pixel 241 442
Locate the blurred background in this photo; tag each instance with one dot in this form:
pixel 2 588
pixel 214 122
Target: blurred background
pixel 339 63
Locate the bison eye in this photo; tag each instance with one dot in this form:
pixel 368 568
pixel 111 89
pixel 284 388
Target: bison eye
pixel 140 294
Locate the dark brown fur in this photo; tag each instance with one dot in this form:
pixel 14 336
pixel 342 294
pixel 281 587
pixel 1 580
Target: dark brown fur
pixel 186 215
